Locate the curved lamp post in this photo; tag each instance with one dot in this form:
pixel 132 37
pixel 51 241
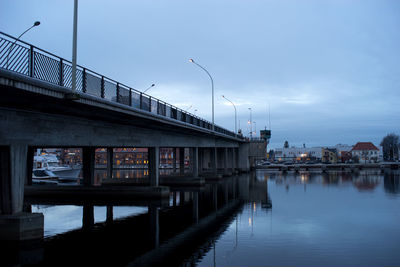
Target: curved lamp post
pixel 37 23
pixel 74 45
pixel 235 112
pixel 212 88
pixel 149 88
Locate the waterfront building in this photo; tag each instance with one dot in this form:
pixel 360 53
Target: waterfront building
pixel 365 152
pixel 329 155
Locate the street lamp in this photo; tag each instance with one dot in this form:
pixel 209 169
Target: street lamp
pixel 212 88
pixel 37 23
pixel 149 88
pixel 74 45
pixel 235 112
pixel 251 125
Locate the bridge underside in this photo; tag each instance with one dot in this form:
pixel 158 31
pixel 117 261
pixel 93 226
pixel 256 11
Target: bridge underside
pixel 34 114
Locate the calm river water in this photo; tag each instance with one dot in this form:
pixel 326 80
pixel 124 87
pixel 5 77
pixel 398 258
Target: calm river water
pixel 257 219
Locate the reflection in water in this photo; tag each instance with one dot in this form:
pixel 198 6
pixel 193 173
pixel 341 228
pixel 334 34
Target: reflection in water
pixel 257 219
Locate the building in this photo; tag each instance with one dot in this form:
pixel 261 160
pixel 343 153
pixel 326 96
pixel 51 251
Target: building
pixel 365 152
pixel 329 155
pixel 298 153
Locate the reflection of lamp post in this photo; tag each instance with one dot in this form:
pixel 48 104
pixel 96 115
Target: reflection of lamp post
pixel 235 112
pixel 251 125
pixel 212 88
pixel 37 23
pixel 149 88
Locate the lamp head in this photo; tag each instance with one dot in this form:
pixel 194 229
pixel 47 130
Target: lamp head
pixel 37 23
pixel 191 60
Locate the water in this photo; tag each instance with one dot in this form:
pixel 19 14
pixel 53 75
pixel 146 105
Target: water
pixel 258 219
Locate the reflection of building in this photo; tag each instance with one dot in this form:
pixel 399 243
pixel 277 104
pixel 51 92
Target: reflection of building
pixel 366 152
pixel 366 183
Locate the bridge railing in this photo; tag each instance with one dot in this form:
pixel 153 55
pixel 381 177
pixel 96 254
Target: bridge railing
pixel 26 59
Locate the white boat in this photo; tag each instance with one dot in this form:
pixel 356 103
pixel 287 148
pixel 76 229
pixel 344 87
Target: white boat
pixel 50 164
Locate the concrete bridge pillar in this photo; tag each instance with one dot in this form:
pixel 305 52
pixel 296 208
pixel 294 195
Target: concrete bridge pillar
pixel 88 158
pixel 194 159
pixel 174 153
pixel 13 173
pixel 16 225
pixel 154 165
pixel 110 162
pixel 233 160
pixel 181 160
pixel 225 156
pixel 214 159
pixel 243 160
pixel 200 159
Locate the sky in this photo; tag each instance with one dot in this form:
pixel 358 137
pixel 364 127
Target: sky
pixel 315 72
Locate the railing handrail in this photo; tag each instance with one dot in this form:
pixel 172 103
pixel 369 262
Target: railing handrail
pixel 125 87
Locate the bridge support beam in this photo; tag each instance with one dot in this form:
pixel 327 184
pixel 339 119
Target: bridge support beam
pixel 15 224
pixel 154 164
pixel 110 162
pixel 88 158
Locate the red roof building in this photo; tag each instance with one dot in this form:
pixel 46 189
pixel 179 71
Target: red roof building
pixel 366 152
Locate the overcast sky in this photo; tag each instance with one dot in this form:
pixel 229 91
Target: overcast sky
pixel 328 71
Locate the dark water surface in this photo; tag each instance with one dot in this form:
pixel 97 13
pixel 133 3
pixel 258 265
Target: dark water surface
pixel 257 219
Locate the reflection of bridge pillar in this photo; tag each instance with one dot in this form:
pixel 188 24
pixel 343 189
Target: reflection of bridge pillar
pixel 110 214
pixel 88 158
pixel 195 207
pixel 88 216
pixel 226 193
pixel 215 197
pixel 181 160
pixel 110 162
pixel 174 199
pixel 154 226
pixel 194 159
pixel 154 165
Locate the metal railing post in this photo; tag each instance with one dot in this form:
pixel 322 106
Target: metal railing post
pixel 61 73
pixel 158 104
pixel 141 101
pixel 117 91
pixel 31 62
pixel 84 80
pixel 130 97
pixel 102 87
pixel 150 103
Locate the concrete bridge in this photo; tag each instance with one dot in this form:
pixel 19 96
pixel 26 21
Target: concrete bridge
pixel 38 109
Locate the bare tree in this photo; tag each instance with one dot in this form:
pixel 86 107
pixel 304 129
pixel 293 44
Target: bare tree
pixel 390 146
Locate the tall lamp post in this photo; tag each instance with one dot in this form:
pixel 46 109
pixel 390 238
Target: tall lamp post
pixel 74 45
pixel 212 88
pixel 37 23
pixel 149 88
pixel 235 112
pixel 251 125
